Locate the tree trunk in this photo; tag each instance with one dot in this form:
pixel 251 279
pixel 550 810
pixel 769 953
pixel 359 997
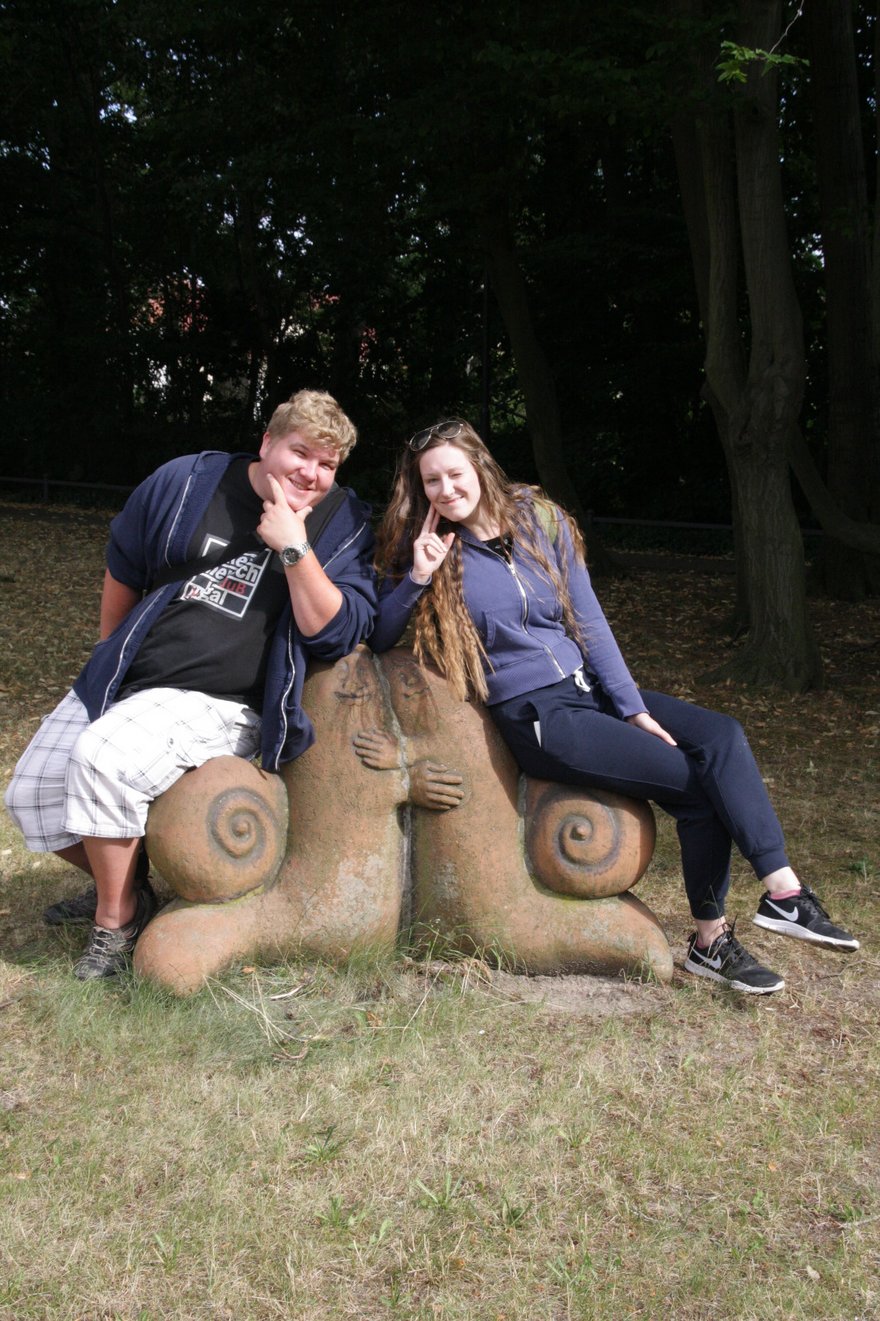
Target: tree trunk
pixel 781 646
pixel 706 168
pixel 755 400
pixel 853 448
pixel 861 536
pixel 532 367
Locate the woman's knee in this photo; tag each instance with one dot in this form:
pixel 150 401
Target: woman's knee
pixel 716 732
pixel 727 729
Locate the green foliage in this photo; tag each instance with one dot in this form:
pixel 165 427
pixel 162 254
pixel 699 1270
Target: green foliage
pixel 441 1198
pixel 735 60
pixel 324 1147
pixel 204 207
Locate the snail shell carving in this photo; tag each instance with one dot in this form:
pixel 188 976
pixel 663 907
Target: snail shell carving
pixel 219 832
pixel 586 847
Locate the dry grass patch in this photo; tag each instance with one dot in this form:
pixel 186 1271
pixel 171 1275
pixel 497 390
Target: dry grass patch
pixel 423 1140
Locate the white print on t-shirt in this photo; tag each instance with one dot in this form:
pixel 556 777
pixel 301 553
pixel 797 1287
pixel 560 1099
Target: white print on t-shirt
pixel 227 587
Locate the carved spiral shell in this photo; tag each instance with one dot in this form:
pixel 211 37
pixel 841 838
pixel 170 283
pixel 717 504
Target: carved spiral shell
pixel 588 843
pixel 220 831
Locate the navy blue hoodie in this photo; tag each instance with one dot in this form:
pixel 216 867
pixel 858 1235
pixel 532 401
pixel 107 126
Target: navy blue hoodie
pixel 519 619
pixel 154 530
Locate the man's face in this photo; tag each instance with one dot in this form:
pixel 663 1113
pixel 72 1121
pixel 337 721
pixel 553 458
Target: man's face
pixel 305 471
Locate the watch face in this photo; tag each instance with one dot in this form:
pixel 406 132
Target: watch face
pixel 293 554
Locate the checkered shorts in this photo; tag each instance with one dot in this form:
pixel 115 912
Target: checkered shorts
pixel 79 779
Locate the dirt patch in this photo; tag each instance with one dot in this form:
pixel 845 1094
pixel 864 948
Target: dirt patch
pixel 593 997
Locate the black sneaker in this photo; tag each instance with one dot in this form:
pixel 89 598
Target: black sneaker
pixel 726 961
pixel 108 951
pixel 81 909
pixel 803 917
pixel 78 911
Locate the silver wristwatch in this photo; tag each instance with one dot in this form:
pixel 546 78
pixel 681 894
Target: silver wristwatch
pixel 293 554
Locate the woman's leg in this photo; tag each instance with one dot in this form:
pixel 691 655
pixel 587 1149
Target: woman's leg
pixel 730 777
pixel 563 734
pixel 710 784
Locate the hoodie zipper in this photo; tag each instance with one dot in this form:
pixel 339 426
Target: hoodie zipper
pixel 511 567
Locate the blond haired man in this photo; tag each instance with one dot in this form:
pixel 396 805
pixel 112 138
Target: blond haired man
pixel 225 573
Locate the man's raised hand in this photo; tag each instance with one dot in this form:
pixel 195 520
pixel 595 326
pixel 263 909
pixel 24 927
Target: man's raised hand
pixel 280 525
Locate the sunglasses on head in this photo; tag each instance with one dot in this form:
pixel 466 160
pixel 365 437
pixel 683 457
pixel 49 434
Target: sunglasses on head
pixel 439 431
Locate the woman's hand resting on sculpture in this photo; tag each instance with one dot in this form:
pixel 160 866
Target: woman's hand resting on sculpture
pixel 429 550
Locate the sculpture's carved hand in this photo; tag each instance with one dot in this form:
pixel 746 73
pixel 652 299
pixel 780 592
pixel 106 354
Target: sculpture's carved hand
pixel 435 786
pixel 378 750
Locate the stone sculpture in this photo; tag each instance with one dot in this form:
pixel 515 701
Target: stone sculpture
pixel 408 809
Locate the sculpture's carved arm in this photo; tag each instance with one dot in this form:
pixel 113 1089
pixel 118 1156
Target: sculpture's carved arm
pixel 378 750
pixel 431 784
pixel 435 786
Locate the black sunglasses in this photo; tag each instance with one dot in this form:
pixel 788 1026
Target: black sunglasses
pixel 440 431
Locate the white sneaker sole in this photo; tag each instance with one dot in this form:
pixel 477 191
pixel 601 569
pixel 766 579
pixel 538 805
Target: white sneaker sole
pixel 783 928
pixel 700 970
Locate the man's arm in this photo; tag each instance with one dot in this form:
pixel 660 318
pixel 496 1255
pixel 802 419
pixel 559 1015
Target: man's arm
pixel 116 602
pixel 314 598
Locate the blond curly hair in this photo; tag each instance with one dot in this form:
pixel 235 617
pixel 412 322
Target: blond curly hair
pixel 318 417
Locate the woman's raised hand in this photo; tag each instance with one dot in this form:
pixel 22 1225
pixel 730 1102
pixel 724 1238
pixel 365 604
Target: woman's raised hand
pixel 429 550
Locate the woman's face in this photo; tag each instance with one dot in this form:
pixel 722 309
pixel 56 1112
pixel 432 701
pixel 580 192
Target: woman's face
pixel 451 483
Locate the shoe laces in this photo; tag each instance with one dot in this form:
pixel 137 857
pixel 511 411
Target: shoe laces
pixel 105 940
pixel 812 900
pixel 730 949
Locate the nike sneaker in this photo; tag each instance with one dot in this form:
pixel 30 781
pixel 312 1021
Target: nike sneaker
pixel 725 960
pixel 803 917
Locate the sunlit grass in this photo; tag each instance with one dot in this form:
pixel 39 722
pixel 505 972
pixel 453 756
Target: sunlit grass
pixel 408 1137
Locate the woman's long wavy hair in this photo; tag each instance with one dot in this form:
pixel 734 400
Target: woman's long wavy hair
pixel 444 632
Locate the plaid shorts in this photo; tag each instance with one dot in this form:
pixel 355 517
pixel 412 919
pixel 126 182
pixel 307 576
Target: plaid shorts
pixel 78 779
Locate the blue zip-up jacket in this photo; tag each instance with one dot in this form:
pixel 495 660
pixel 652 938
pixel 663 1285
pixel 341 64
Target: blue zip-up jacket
pixel 519 619
pixel 154 530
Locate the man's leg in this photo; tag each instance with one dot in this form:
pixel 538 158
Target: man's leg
pixel 112 863
pixel 35 797
pixel 121 911
pixel 118 766
pixel 77 857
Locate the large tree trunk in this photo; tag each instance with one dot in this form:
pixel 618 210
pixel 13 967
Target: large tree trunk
pixel 853 448
pixel 755 400
pixel 707 179
pixel 780 646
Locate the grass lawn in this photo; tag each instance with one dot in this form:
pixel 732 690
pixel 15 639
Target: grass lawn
pixel 434 1139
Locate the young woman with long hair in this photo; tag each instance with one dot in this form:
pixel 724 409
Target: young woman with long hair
pixel 492 575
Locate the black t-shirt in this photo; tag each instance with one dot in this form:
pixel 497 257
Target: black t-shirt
pixel 214 635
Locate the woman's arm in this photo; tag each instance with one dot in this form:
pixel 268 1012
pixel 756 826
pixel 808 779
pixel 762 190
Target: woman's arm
pixel 397 602
pixel 604 657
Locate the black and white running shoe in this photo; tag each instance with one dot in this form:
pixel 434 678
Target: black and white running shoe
pixel 803 917
pixel 109 951
pixel 725 960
